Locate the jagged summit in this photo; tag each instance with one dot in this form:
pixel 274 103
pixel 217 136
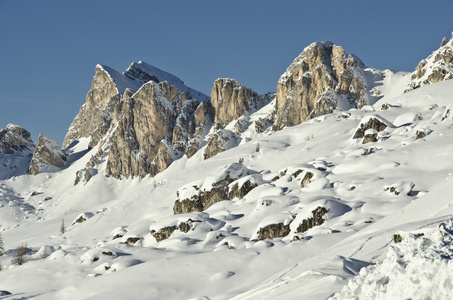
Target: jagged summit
pixel 143 72
pixel 139 73
pixel 121 81
pixel 435 68
pixel 140 120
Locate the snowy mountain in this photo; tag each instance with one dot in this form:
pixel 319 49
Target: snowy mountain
pixel 166 194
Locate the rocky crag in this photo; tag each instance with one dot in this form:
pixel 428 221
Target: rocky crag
pixel 47 154
pixel 19 155
pixel 144 119
pixel 435 68
pixel 322 78
pixel 231 102
pixel 141 120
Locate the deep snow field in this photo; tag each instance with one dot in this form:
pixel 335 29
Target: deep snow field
pixel 397 185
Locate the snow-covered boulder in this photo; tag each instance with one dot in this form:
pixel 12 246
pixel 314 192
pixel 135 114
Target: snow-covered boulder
pixel 274 226
pixel 370 136
pixel 198 196
pixel 82 217
pixel 397 188
pixel 96 254
pixel 47 154
pixel 407 118
pixel 371 122
pixel 199 223
pixel 316 213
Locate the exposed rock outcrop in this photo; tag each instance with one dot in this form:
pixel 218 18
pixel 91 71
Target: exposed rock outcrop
pixel 166 232
pixel 82 217
pixel 274 231
pixel 321 79
pixel 316 220
pixel 199 196
pixel 47 153
pixel 16 149
pixel 370 136
pixel 15 138
pixel 373 122
pixel 142 119
pixel 230 100
pixel 403 187
pixel 133 240
pixel 220 141
pixel 435 68
pixel 447 115
pixel 306 179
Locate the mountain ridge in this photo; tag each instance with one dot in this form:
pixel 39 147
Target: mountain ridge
pixel 254 212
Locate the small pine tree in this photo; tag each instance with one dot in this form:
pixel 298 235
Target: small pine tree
pixel 62 227
pixel 19 259
pixel 2 246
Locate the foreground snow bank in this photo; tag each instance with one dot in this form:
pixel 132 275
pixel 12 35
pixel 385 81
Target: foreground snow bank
pixel 418 267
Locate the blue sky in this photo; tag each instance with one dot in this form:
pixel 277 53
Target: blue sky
pixel 49 49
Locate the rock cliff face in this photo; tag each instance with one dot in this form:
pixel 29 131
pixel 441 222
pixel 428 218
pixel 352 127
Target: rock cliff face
pixel 47 153
pixel 231 100
pixel 321 79
pixel 152 126
pixel 95 116
pixel 435 68
pixel 141 119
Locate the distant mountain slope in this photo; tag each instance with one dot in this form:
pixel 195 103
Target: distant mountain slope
pixel 435 68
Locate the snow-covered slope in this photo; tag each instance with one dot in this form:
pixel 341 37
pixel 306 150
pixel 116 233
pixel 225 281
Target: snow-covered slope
pixel 293 214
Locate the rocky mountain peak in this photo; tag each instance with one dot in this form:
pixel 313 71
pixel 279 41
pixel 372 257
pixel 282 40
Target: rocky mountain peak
pixel 435 68
pixel 322 78
pixel 141 119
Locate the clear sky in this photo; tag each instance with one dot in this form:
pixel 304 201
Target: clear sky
pixel 49 49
